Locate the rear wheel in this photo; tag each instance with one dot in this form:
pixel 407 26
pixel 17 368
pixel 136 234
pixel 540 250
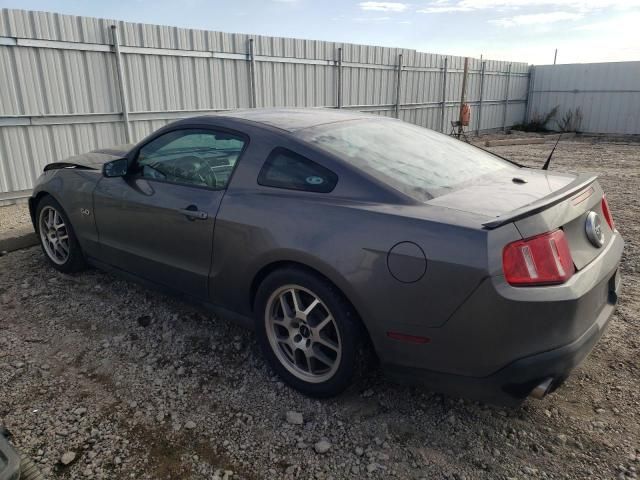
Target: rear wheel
pixel 307 331
pixel 29 470
pixel 57 238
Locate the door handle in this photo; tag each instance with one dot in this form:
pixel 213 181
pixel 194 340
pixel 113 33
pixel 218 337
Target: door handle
pixel 192 213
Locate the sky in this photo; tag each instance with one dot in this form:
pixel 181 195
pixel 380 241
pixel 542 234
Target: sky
pixel 517 30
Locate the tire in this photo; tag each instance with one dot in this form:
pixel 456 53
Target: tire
pixel 57 237
pixel 314 349
pixel 29 470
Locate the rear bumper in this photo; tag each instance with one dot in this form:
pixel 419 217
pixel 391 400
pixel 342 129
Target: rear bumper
pixel 503 341
pixel 513 383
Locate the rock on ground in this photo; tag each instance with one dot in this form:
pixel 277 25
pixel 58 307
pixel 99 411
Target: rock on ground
pixel 322 446
pixel 67 458
pixel 294 418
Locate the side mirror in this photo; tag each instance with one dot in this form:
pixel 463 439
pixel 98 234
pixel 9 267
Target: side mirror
pixel 115 168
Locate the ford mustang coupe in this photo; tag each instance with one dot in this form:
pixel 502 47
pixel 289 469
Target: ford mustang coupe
pixel 326 230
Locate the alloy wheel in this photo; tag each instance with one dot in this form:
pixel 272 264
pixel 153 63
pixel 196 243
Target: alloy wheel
pixel 54 235
pixel 303 333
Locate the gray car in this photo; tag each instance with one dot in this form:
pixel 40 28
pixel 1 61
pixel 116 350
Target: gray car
pixel 327 231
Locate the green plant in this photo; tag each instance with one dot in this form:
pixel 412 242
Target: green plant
pixel 538 122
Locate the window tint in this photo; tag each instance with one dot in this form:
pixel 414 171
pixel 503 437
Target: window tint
pixel 193 157
pixel 285 169
pixel 414 160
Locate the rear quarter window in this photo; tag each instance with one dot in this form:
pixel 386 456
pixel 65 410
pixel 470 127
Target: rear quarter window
pixel 286 169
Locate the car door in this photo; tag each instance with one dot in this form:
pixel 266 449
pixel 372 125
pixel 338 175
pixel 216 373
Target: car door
pixel 157 221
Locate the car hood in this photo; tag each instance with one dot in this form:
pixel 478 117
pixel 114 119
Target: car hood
pixel 93 160
pixel 504 191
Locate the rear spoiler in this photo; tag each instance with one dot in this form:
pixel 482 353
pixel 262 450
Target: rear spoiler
pixel 581 182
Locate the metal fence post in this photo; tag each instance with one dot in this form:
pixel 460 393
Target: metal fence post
pixel 124 101
pixel 506 101
pixel 339 65
pixel 444 94
pixel 479 121
pixel 252 75
pixel 532 78
pixel 398 85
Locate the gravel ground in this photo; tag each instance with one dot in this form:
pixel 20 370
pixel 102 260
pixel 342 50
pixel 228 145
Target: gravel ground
pixel 103 378
pixel 13 218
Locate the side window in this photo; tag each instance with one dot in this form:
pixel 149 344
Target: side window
pixel 192 157
pixel 285 169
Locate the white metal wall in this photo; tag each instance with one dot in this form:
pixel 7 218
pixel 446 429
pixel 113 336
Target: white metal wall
pixel 60 93
pixel 608 95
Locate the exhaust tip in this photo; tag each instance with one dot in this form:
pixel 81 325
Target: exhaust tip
pixel 541 390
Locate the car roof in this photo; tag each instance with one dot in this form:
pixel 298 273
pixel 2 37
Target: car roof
pixel 294 119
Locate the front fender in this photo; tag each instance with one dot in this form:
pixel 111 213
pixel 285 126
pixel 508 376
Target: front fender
pixel 73 190
pixel 45 184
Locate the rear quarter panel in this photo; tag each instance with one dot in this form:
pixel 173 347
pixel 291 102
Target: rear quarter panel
pixel 349 243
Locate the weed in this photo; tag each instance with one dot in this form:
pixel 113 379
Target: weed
pixel 570 121
pixel 538 122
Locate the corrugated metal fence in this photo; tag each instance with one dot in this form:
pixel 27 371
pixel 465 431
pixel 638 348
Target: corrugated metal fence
pixel 71 84
pixel 606 96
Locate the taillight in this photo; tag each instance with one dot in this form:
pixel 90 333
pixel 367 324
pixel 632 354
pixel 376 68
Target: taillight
pixel 607 213
pixel 541 260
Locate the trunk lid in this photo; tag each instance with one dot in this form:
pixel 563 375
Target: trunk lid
pixel 503 192
pixel 536 202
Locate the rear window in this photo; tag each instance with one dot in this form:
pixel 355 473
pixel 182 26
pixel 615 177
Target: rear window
pixel 419 162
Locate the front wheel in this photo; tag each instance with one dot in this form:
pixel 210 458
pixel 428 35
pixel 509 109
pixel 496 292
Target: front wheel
pixel 307 331
pixel 57 238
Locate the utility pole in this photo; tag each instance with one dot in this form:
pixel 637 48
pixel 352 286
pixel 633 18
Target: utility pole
pixel 462 94
pixel 555 56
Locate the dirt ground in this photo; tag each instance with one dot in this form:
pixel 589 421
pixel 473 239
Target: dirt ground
pixel 133 384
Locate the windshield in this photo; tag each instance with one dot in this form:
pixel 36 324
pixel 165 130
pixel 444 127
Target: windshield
pixel 419 162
